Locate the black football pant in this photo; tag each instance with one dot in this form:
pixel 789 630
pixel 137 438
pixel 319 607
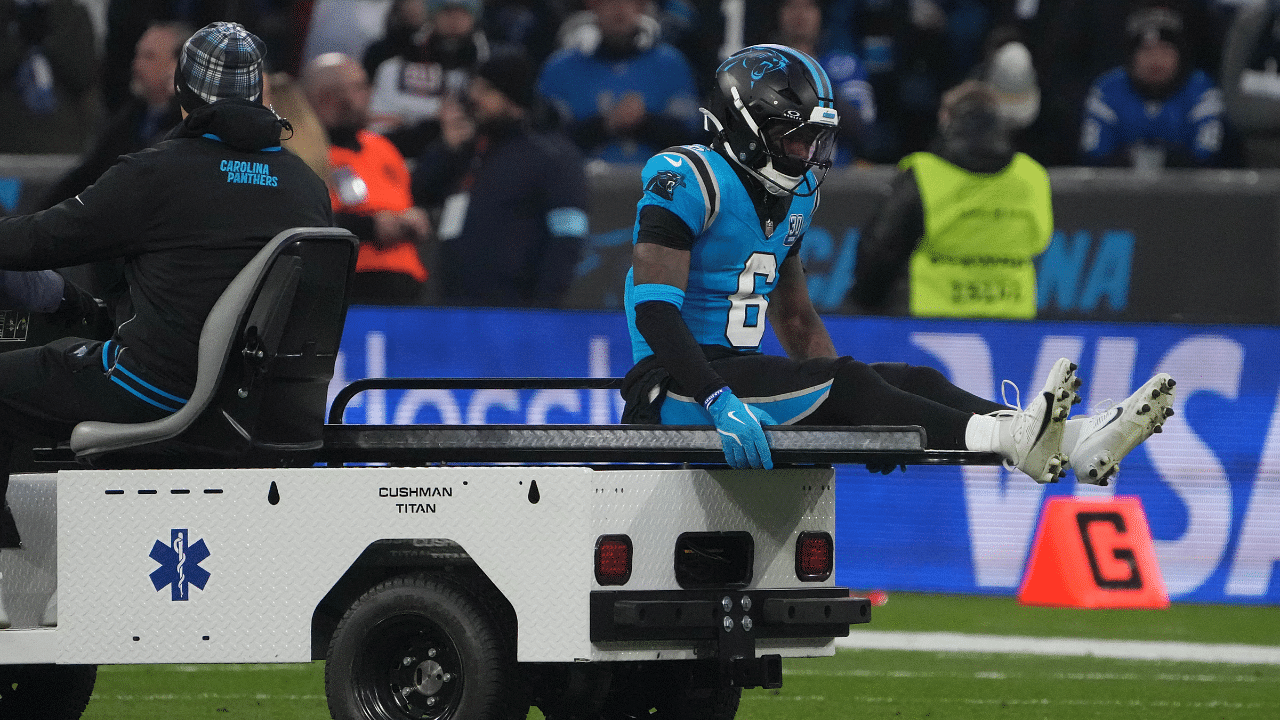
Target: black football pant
pixel 45 391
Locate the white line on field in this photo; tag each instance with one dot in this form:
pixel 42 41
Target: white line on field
pixel 1076 702
pixel 1183 678
pixel 203 696
pixel 1122 649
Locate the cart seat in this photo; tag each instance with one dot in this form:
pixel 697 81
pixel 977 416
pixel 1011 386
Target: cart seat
pixel 266 356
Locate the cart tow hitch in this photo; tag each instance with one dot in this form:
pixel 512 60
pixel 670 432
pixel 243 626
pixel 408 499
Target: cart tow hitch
pixel 733 620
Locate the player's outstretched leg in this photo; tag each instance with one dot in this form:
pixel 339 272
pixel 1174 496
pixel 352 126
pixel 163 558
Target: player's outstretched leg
pixel 1095 445
pixel 1031 439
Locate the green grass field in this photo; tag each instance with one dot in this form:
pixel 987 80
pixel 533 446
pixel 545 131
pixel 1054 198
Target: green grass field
pixel 855 683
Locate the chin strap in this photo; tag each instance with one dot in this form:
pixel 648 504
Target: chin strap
pixel 770 184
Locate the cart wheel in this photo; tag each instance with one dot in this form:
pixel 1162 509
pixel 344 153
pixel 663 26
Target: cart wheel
pixel 45 692
pixel 417 647
pixel 670 690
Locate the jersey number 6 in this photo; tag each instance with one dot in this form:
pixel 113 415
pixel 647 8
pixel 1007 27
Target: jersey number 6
pixel 747 307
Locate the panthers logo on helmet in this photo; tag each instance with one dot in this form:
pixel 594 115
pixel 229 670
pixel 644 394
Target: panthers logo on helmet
pixel 664 184
pixel 759 62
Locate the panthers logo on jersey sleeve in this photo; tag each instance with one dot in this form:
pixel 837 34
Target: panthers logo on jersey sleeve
pixel 679 180
pixel 664 184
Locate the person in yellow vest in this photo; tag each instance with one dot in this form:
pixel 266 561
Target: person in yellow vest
pixel 962 225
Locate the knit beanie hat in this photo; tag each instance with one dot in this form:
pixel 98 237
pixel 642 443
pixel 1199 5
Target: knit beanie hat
pixel 1155 21
pixel 512 74
pixel 221 61
pixel 1013 78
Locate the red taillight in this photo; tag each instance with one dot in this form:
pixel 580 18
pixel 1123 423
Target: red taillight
pixel 613 559
pixel 814 556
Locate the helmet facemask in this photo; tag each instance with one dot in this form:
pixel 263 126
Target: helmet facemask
pixel 794 148
pixel 779 124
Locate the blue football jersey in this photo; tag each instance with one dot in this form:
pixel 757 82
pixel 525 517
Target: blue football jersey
pixel 1117 118
pixel 733 265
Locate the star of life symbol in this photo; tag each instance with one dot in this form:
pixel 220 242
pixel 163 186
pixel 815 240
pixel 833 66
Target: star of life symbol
pixel 179 564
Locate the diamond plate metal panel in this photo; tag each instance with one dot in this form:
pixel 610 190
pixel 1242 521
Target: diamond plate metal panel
pixel 269 564
pixel 622 437
pixel 29 573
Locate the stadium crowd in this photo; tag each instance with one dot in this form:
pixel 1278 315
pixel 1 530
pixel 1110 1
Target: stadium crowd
pixel 1136 83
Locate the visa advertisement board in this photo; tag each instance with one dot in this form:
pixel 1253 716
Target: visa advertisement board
pixel 1210 483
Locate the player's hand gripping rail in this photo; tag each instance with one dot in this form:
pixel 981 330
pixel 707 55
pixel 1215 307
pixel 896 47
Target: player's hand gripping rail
pixel 745 445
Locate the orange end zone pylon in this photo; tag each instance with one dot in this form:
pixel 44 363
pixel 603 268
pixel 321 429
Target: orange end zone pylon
pixel 1093 554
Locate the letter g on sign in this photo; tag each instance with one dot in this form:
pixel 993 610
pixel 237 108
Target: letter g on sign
pixel 1109 535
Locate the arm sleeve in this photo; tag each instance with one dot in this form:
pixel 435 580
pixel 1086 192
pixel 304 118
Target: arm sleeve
pixel 888 241
pixel 675 348
pixel 660 226
pixel 660 322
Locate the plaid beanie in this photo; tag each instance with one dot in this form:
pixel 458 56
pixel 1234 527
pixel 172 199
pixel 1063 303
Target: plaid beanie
pixel 222 60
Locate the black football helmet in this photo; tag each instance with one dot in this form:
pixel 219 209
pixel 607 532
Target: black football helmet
pixel 778 117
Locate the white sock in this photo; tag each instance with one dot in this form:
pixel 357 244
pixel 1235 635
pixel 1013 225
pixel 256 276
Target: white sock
pixel 1071 431
pixel 982 434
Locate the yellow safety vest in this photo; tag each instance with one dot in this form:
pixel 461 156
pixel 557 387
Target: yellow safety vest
pixel 981 232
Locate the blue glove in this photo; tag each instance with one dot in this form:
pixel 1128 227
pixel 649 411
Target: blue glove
pixel 740 431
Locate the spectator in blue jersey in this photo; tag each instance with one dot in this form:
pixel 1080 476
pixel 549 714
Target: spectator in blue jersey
pixel 716 256
pixel 622 93
pixel 800 27
pixel 1157 110
pixel 510 203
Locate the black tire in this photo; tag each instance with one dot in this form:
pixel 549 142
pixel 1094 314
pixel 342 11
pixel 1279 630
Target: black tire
pixel 670 690
pixel 418 647
pixel 45 692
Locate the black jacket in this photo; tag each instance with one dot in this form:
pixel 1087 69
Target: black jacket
pixel 506 255
pixel 186 216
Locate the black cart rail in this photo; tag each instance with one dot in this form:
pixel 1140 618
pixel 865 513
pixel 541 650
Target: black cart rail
pixel 878 446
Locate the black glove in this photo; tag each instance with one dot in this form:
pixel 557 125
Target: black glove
pixel 79 308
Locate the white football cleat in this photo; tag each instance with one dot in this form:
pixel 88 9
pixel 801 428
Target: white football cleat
pixel 1031 439
pixel 1103 439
